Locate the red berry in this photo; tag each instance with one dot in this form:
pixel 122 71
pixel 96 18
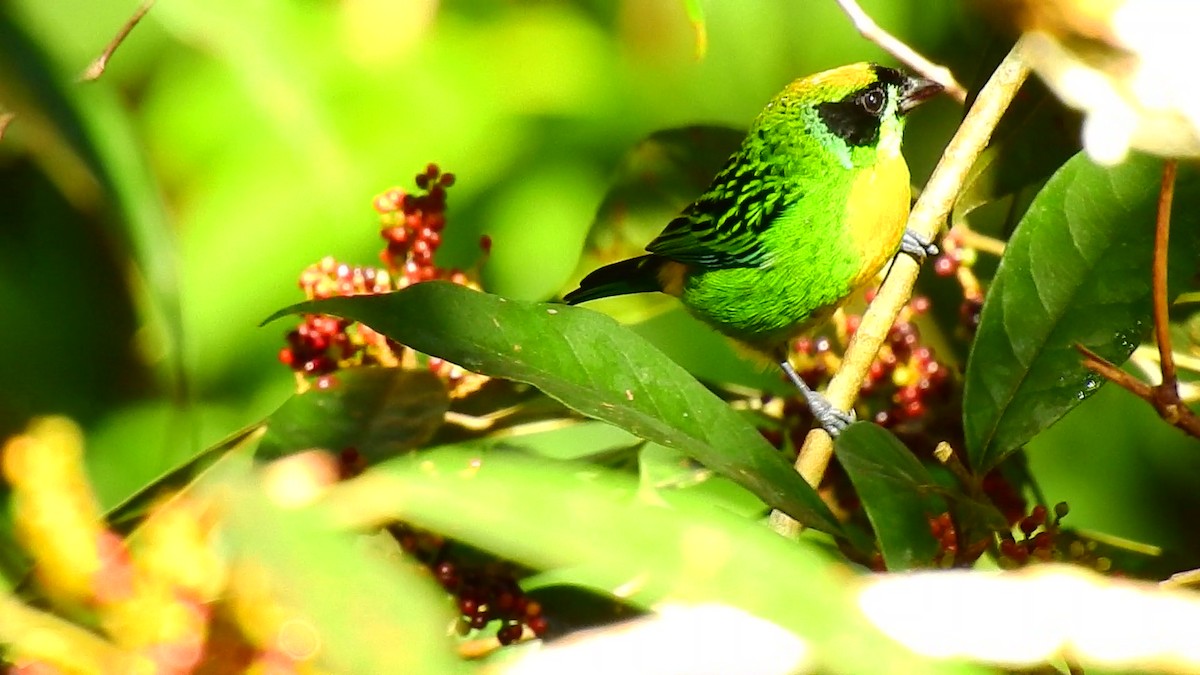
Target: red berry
pixel 509 633
pixel 485 243
pixel 944 266
pixel 447 179
pixel 538 625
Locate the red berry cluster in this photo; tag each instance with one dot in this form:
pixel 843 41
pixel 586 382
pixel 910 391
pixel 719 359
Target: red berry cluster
pixel 1039 534
pixel 483 592
pixel 484 598
pixel 905 378
pixel 1004 496
pixel 958 260
pixel 318 345
pixel 322 344
pixel 411 224
pixel 942 528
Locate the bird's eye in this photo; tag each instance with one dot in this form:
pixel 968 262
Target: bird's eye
pixel 873 101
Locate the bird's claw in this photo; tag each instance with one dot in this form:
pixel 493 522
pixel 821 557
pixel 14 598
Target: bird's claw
pixel 917 247
pixel 832 419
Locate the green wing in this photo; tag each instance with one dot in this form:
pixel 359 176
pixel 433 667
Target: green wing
pixel 724 227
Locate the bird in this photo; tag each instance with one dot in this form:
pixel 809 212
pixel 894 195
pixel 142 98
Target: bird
pixel 810 208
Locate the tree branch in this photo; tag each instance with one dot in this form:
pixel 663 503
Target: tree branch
pixel 870 30
pixel 927 218
pixel 1162 320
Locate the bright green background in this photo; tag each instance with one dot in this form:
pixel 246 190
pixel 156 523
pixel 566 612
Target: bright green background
pixel 270 125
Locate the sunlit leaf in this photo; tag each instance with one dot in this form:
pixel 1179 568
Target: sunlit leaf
pixel 550 515
pixel 1077 270
pixel 379 412
pixel 895 490
pixel 124 515
pixel 695 13
pixel 369 615
pixel 592 364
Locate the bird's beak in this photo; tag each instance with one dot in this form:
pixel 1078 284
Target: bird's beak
pixel 917 90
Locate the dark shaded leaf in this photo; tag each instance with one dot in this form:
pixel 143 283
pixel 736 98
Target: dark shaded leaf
pixel 1077 270
pixel 380 412
pixel 896 493
pixel 591 364
pixel 1036 136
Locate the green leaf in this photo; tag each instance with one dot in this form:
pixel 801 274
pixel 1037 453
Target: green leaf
pixel 896 492
pixel 695 14
pixel 125 515
pixel 370 614
pixel 1077 270
pixel 92 121
pixel 380 412
pixel 591 364
pixel 596 525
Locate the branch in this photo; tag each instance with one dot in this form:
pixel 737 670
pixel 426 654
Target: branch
pixel 927 217
pixel 1162 321
pixel 893 45
pixel 1165 395
pixel 96 68
pixel 6 118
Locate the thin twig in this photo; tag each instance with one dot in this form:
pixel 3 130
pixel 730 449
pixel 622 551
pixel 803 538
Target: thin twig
pixel 1165 395
pixel 1162 235
pixel 980 242
pixel 1175 414
pixel 927 217
pixel 96 68
pixel 870 30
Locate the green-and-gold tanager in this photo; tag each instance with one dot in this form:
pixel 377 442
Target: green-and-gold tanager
pixel 809 209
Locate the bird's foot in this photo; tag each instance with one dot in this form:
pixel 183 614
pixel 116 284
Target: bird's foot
pixel 917 247
pixel 831 419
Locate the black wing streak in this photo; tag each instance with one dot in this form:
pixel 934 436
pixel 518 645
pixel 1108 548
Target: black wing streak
pixel 723 228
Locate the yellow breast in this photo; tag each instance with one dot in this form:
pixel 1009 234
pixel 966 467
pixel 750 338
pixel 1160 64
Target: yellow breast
pixel 876 213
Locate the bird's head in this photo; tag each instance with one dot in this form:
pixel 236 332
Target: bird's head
pixel 854 112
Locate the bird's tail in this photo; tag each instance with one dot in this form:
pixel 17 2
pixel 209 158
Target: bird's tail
pixel 636 275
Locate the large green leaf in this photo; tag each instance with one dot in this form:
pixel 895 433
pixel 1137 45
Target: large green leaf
pixel 1077 270
pixel 380 412
pixel 895 490
pixel 592 364
pixel 597 526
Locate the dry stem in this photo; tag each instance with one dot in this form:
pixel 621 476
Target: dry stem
pixel 870 30
pixel 927 217
pixel 96 68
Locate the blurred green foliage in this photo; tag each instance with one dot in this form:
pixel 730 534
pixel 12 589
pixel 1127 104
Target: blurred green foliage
pixel 268 127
